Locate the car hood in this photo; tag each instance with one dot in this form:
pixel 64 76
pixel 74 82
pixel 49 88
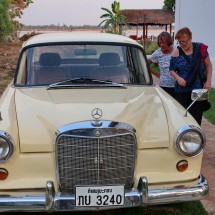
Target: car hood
pixel 40 112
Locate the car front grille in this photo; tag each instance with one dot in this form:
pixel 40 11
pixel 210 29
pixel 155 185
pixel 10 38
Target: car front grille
pixel 84 160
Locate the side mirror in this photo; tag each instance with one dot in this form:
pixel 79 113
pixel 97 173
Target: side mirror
pixel 197 95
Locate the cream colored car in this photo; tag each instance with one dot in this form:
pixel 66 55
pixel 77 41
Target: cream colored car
pixel 83 127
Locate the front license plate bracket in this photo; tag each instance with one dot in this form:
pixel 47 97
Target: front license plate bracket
pixel 99 196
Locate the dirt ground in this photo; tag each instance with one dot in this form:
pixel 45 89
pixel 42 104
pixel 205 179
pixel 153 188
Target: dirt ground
pixel 8 59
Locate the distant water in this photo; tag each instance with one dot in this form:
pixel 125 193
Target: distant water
pixel 139 32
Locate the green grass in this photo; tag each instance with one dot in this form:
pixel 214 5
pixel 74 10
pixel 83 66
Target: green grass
pixel 210 114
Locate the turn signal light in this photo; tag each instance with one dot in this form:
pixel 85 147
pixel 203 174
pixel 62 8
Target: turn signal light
pixel 182 165
pixel 3 174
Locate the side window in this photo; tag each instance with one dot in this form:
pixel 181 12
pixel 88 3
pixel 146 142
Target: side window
pixel 137 66
pixel 130 66
pixel 26 68
pixel 22 73
pixel 141 66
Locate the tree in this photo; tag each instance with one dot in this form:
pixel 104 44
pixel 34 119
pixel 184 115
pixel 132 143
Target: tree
pixel 114 18
pixel 17 7
pixel 9 10
pixel 16 10
pixel 169 4
pixel 5 22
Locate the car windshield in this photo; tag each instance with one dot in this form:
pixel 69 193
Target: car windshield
pixel 51 64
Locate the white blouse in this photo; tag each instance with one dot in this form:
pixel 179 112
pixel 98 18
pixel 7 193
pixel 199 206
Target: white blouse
pixel 163 61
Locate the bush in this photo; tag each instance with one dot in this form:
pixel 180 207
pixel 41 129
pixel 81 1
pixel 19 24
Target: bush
pixel 149 46
pixel 210 114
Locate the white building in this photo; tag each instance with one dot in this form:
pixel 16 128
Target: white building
pixel 199 16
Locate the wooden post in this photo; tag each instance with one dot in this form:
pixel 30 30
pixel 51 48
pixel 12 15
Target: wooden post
pixel 143 32
pixel 170 28
pixel 137 28
pixel 146 31
pixel 144 35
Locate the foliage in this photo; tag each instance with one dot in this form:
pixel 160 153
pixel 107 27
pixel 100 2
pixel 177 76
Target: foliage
pixel 9 10
pixel 169 4
pixel 150 46
pixel 113 18
pixel 155 67
pixel 210 114
pixel 5 23
pixel 17 7
pixel 16 10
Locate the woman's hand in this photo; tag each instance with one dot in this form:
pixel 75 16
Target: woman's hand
pixel 207 85
pixel 208 66
pixel 181 81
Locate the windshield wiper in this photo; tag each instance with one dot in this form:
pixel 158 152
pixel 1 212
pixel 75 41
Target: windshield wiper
pixel 83 82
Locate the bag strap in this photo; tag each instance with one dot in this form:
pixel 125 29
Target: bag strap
pixel 181 52
pixel 194 64
pixel 203 50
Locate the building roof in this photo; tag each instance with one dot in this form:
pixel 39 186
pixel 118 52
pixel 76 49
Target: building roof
pixel 149 16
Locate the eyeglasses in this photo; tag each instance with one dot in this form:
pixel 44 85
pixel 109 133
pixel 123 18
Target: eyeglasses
pixel 183 42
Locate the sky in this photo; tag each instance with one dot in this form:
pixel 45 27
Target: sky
pixel 77 12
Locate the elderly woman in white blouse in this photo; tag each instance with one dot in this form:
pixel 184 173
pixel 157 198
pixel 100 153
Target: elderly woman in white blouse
pixel 162 57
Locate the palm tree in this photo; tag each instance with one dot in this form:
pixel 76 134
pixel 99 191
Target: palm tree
pixel 169 4
pixel 114 18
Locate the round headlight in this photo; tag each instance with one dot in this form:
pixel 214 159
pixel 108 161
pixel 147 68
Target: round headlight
pixel 6 147
pixel 190 141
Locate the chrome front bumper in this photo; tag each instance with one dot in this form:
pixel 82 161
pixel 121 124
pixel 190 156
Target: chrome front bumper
pixel 50 201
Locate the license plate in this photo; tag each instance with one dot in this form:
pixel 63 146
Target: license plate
pixel 99 196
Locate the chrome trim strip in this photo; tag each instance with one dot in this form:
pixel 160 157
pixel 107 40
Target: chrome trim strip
pixel 85 86
pixel 53 201
pixel 89 125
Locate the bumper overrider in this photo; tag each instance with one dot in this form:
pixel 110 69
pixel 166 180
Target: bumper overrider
pixel 49 200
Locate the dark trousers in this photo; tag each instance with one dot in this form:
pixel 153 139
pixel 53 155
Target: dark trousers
pixel 196 110
pixel 169 90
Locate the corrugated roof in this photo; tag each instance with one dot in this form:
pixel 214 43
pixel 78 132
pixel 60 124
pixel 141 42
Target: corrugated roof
pixel 149 16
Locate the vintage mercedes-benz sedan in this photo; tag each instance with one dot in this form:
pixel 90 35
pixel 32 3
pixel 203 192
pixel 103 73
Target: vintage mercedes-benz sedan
pixel 83 127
